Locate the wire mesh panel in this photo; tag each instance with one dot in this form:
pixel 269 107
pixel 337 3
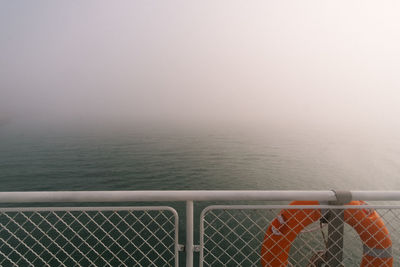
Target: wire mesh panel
pixel 112 236
pixel 300 236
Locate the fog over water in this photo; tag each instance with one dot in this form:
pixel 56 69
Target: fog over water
pixel 291 62
pixel 321 75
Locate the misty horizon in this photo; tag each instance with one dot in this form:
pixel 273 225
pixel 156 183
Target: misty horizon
pixel 273 63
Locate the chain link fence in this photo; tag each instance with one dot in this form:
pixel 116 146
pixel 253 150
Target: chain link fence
pixel 95 236
pixel 300 235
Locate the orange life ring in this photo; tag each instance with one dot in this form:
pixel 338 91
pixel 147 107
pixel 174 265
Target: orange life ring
pixel 284 229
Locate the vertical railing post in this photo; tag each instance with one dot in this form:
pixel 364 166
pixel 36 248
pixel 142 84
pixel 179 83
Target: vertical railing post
pixel 189 234
pixel 334 253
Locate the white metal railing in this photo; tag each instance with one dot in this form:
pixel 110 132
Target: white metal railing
pixel 239 229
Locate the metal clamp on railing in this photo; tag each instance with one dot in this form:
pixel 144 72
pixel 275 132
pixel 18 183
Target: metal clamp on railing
pixel 342 197
pixel 181 248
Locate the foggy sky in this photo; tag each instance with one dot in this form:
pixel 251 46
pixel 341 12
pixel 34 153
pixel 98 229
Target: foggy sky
pixel 318 62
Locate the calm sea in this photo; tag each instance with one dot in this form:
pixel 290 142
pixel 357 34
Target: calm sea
pixel 156 159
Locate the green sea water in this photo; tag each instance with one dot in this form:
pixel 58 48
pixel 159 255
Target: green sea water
pixel 161 159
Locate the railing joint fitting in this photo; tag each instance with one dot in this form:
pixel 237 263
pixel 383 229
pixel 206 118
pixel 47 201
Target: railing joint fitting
pixel 181 247
pixel 196 248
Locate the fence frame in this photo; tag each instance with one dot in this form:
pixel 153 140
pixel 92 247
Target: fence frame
pixel 278 207
pixel 113 209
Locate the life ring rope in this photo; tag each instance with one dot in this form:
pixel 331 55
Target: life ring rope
pixel 377 252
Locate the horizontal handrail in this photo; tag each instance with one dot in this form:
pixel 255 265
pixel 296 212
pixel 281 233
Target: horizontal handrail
pixel 188 195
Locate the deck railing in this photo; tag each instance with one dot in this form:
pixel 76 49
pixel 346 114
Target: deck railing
pixel 270 234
